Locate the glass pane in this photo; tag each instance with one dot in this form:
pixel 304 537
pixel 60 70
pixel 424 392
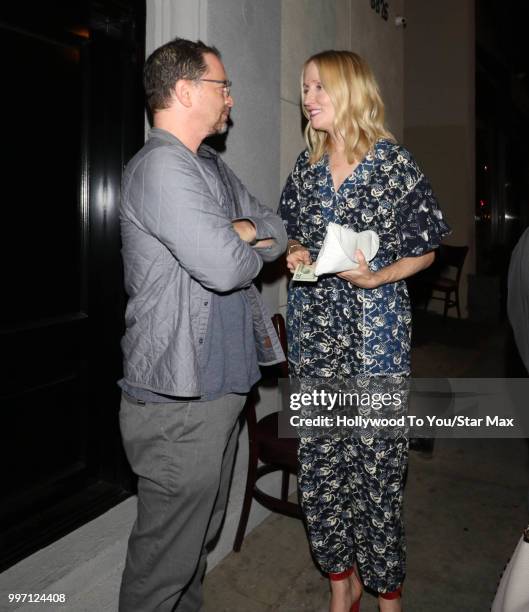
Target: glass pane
pixel 39 173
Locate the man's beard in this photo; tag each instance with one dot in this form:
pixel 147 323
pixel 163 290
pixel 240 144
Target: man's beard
pixel 222 127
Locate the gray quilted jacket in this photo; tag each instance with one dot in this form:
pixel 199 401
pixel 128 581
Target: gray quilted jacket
pixel 179 246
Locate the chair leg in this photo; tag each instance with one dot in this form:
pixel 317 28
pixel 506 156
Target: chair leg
pixel 457 303
pixel 427 297
pixel 447 299
pixel 248 497
pixel 285 481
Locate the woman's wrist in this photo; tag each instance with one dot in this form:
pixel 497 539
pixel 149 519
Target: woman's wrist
pixel 293 245
pixel 378 278
pixel 371 280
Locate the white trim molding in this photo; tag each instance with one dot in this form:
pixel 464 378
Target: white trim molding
pixel 169 18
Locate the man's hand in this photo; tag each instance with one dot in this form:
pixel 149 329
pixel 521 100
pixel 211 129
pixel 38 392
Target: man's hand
pixel 245 229
pixel 247 232
pixel 265 243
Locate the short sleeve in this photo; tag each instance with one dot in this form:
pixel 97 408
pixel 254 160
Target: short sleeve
pixel 289 204
pixel 419 219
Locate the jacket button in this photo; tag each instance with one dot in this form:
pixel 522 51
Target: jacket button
pixel 206 303
pixel 201 341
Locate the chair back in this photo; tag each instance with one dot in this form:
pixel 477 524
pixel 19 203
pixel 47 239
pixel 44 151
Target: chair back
pixel 452 256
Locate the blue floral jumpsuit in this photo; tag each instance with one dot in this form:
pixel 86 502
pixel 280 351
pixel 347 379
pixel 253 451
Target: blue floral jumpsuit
pixel 351 488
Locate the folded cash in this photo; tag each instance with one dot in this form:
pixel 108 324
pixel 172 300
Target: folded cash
pixel 304 273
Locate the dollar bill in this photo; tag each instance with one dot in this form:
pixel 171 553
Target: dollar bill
pixel 304 273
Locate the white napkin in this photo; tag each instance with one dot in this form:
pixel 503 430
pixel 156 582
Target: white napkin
pixel 339 246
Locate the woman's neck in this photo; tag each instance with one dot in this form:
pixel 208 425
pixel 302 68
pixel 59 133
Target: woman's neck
pixel 336 144
pixel 338 155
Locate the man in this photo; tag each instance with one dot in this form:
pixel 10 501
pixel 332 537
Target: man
pixel 518 296
pixel 193 240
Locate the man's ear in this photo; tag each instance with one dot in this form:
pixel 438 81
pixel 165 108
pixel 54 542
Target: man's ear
pixel 182 92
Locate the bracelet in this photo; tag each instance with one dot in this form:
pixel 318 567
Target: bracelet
pixel 293 246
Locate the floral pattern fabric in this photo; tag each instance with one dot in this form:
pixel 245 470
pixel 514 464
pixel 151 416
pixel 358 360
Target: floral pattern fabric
pixel 335 329
pixel 351 495
pixel 351 489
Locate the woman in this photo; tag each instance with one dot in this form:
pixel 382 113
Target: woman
pixel 357 322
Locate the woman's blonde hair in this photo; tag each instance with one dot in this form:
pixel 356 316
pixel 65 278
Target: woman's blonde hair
pixel 358 107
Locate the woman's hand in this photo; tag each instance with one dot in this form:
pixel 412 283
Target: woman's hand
pixel 297 254
pixel 399 270
pixel 362 276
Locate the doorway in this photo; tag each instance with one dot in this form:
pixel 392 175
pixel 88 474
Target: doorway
pixel 72 109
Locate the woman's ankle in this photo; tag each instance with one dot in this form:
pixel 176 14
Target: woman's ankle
pixel 390 602
pixel 357 588
pixel 341 595
pixel 345 593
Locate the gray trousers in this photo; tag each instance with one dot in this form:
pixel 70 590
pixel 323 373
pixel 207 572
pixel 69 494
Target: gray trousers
pixel 183 454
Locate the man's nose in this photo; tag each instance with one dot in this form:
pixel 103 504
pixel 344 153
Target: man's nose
pixel 229 101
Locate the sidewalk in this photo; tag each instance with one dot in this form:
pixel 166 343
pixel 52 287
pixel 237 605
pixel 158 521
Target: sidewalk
pixel 465 507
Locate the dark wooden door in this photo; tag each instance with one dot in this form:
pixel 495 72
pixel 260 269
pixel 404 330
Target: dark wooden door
pixel 72 113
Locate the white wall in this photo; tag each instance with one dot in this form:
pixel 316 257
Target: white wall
pixel 310 26
pixel 439 110
pixel 381 43
pixel 307 26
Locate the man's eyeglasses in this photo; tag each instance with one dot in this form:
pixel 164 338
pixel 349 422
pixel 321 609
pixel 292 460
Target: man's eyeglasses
pixel 226 85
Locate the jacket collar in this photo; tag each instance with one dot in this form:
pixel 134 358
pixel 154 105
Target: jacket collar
pixel 203 151
pixel 165 135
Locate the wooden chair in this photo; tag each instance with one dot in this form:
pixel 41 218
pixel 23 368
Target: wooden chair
pixel 274 453
pixel 446 257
